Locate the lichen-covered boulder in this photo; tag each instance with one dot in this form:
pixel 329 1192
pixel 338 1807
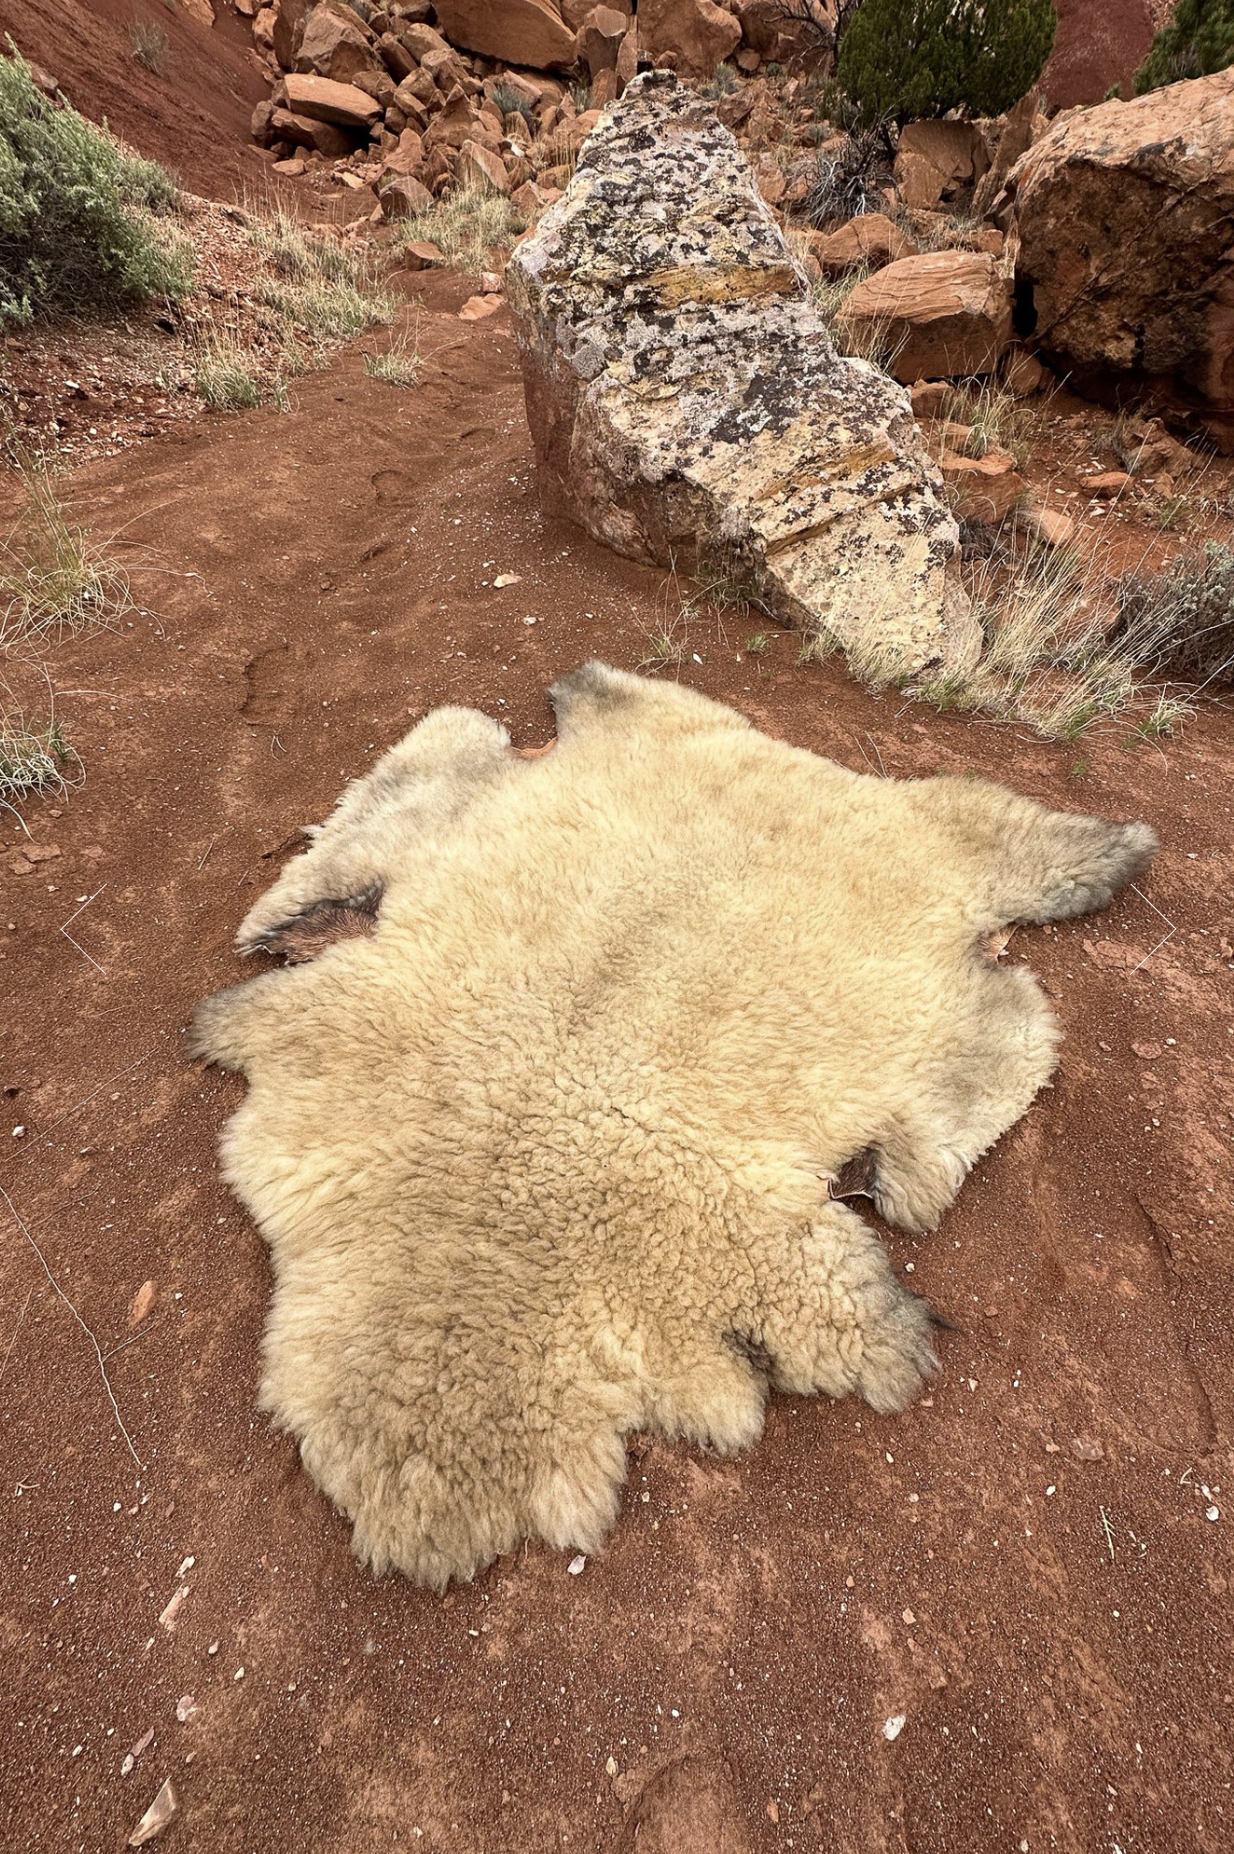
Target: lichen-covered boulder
pixel 687 404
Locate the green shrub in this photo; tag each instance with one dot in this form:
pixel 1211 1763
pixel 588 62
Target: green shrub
pixel 1197 41
pixel 77 236
pixel 913 58
pixel 1181 619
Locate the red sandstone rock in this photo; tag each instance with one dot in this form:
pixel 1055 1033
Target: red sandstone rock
pixel 941 315
pixel 696 35
pixel 325 101
pixel 521 32
pixel 1123 215
pixel 871 238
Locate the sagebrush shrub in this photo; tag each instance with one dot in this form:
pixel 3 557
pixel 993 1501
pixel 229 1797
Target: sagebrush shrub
pixel 852 180
pixel 914 58
pixel 1183 617
pixel 1197 41
pixel 77 234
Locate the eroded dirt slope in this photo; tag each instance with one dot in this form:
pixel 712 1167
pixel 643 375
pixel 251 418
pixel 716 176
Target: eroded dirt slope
pixel 191 113
pixel 1021 1567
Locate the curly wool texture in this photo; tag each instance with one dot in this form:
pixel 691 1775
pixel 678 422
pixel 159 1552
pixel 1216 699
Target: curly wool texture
pixel 546 1157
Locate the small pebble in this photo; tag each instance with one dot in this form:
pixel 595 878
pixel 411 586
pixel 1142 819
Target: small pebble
pixel 576 1565
pixel 894 1726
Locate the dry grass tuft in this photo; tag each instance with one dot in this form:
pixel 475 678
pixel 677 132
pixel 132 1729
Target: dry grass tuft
pixel 467 226
pixel 225 378
pixel 35 755
pixel 1055 658
pixel 53 576
pixel 399 365
pixel 322 291
pixel 996 420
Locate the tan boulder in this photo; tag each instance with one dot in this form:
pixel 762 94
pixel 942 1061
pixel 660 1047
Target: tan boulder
pixel 377 83
pixel 1146 448
pixel 457 123
pixel 520 32
pixel 478 167
pixel 696 34
pixel 984 489
pixel 572 134
pixel 1015 139
pixel 327 101
pixel 477 307
pixel 407 156
pixel 336 43
pixel 871 238
pixel 421 40
pixel 937 160
pixel 418 90
pixel 528 89
pixel 599 39
pixel 395 56
pixel 532 198
pixel 309 132
pixel 287 31
pixel 776 36
pixel 627 58
pixel 1053 526
pixel 422 254
pixel 772 183
pixel 1123 218
pixel 1023 374
pixel 1106 484
pixel 447 69
pixel 575 12
pixel 686 402
pixel 928 397
pixel 404 197
pixel 941 315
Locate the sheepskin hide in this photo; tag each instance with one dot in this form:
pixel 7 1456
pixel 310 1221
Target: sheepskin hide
pixel 548 1154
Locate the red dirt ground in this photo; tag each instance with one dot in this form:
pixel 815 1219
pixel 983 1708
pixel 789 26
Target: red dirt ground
pixel 1021 1565
pixel 193 115
pixel 1099 43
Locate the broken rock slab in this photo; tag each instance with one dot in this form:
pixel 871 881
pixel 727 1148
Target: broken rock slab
pixel 1122 216
pixel 687 404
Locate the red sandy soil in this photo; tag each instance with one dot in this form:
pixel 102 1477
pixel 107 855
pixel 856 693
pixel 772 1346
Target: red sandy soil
pixel 1099 43
pixel 193 115
pixel 1021 1565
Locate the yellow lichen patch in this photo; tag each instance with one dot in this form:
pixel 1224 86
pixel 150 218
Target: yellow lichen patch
pixel 688 284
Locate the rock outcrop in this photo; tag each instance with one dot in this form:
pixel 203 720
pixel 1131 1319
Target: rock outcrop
pixel 1123 217
pixel 938 160
pixel 687 403
pixel 871 239
pixel 696 34
pixel 530 32
pixel 326 101
pixel 941 315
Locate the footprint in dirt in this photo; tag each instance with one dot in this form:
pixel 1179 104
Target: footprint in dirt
pixel 688 1807
pixel 402 487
